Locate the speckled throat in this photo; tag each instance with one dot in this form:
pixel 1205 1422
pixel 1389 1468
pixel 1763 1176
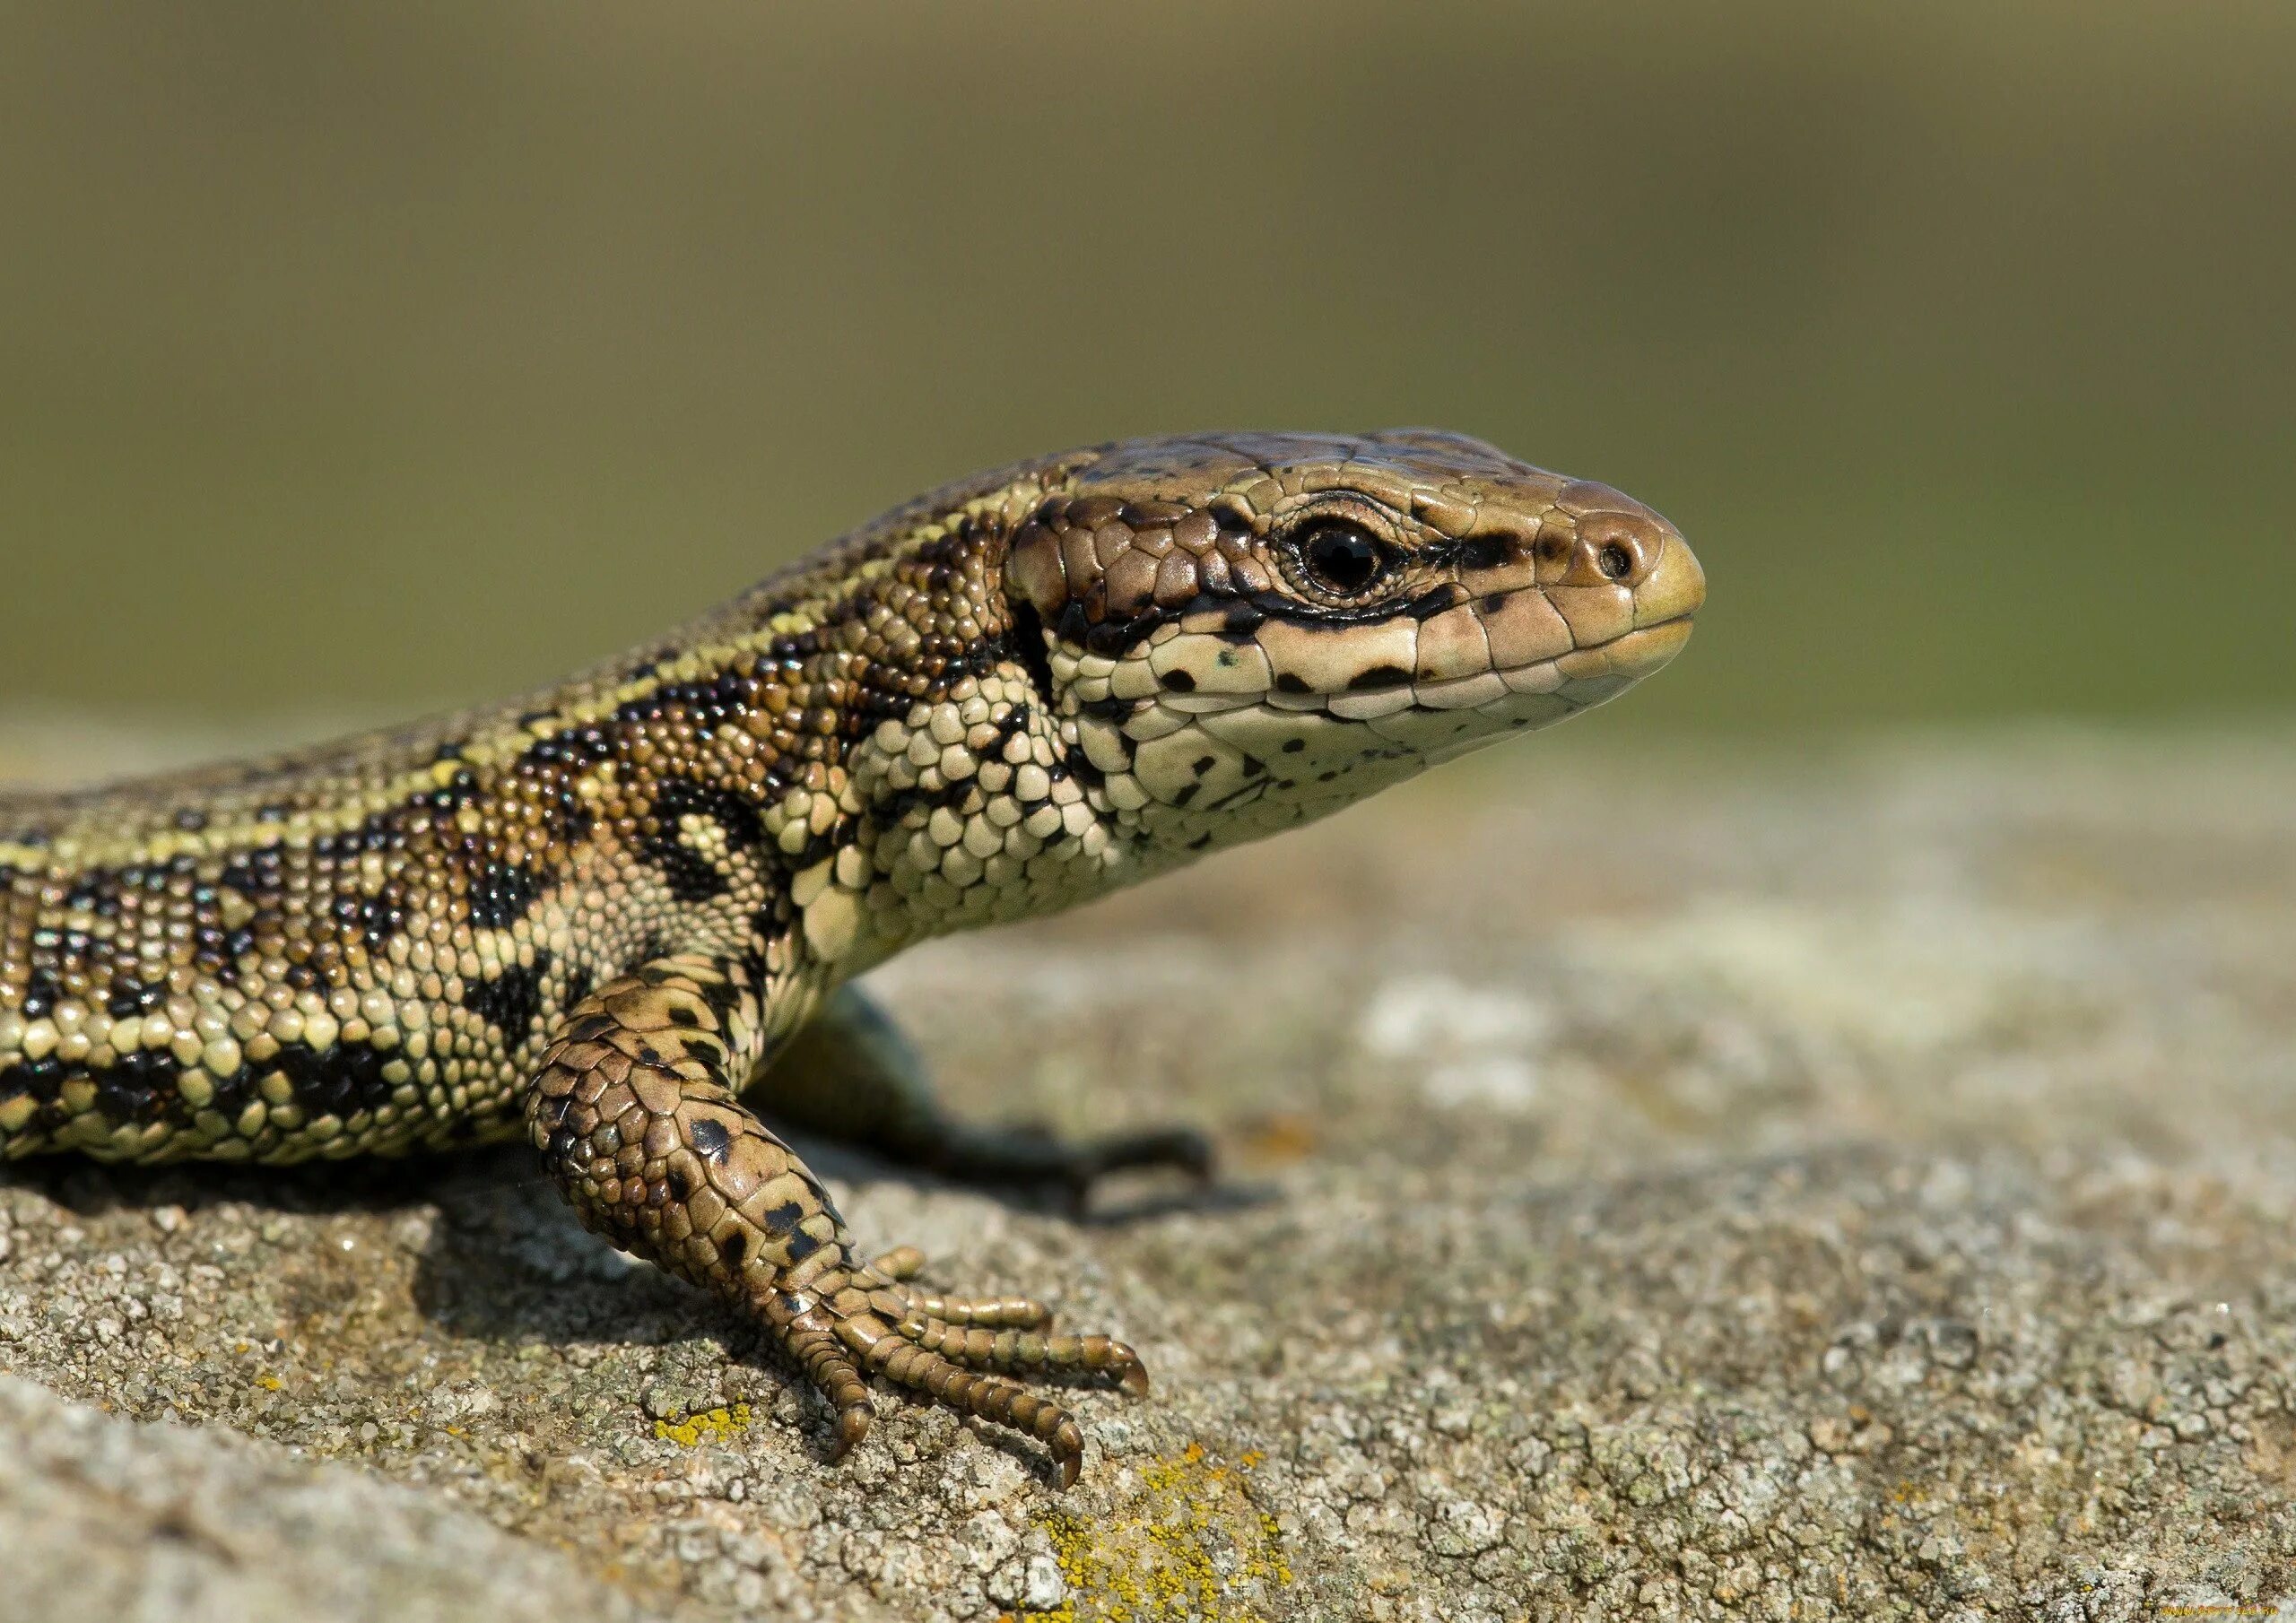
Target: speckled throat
pixel 597 915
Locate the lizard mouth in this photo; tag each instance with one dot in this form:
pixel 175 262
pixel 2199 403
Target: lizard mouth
pixel 1582 677
pixel 1639 652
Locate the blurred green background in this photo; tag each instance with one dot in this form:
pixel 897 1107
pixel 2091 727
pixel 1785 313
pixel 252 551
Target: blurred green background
pixel 357 358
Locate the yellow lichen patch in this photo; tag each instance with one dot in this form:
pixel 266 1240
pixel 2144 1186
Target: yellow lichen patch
pixel 1189 1544
pixel 705 1425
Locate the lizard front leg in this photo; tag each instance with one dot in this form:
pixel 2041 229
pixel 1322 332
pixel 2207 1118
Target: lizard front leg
pixel 632 1109
pixel 851 1074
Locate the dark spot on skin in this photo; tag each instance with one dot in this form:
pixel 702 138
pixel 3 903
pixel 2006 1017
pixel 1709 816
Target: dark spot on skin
pixel 1184 793
pixel 1179 681
pixel 679 798
pixel 1378 677
pixel 680 1185
pixel 721 997
pixel 1203 763
pixel 511 1000
pixel 1109 638
pixel 1254 767
pixel 42 1080
pixel 1232 519
pixel 1428 604
pixel 40 992
pixel 709 1140
pixel 1484 552
pixel 500 895
pixel 338 1081
pixel 783 1219
pixel 591 1027
pixel 136 1089
pixel 1243 619
pixel 691 877
pixel 735 1247
pixel 1292 746
pixel 1287 681
pixel 130 998
pixel 801 1245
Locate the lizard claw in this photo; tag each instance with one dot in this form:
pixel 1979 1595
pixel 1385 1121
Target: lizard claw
pixel 958 1352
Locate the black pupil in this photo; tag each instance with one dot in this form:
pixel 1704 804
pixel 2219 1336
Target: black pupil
pixel 1342 557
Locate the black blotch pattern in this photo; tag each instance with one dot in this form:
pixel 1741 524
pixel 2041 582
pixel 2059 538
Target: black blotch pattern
pixel 140 1087
pixel 1025 643
pixel 1243 619
pixel 709 1140
pixel 682 798
pixel 1378 677
pixel 130 997
pixel 1428 604
pixel 511 1000
pixel 692 879
pixel 500 895
pixel 339 1082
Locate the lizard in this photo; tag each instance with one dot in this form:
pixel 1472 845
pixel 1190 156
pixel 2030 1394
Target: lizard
pixel 616 915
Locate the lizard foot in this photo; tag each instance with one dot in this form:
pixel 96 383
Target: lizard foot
pixel 957 1351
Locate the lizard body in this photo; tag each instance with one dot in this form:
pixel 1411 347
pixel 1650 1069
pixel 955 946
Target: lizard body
pixel 595 915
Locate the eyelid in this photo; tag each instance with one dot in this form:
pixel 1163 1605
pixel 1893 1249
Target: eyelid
pixel 1345 508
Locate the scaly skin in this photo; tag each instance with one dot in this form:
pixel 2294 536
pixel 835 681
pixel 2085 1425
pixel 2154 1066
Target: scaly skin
pixel 595 915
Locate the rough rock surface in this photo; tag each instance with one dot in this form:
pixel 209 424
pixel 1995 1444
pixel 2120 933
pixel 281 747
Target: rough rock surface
pixel 1857 1183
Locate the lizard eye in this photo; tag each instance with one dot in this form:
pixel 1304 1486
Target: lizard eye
pixel 1340 558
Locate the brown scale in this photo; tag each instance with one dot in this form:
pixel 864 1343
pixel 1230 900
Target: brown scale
pixel 595 915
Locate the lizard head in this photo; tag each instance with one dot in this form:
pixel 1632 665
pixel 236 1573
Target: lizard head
pixel 1247 631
